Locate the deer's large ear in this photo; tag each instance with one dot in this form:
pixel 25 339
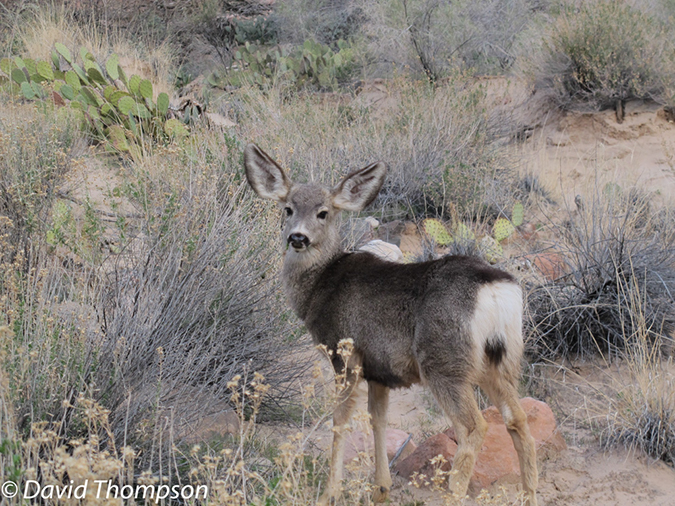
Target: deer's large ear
pixel 266 178
pixel 359 188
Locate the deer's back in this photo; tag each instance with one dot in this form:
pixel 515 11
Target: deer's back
pixel 383 305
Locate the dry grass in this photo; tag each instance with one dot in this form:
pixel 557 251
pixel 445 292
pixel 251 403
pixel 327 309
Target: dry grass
pixel 435 141
pixel 642 411
pixel 618 256
pixel 36 30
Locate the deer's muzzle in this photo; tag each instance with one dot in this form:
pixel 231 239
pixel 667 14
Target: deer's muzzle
pixel 298 241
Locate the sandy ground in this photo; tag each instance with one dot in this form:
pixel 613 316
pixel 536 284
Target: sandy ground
pixel 576 153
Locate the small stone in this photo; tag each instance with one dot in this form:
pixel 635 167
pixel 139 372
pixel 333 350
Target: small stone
pixel 384 250
pixel 420 460
pixel 550 265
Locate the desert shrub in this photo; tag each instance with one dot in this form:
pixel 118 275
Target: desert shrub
pixel 183 299
pixel 641 411
pixel 326 21
pixel 433 36
pixel 43 350
pixel 619 259
pixel 434 140
pixel 34 156
pixel 608 52
pixel 190 305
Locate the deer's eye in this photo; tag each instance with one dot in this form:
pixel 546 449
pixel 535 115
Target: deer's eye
pixel 322 215
pixel 289 211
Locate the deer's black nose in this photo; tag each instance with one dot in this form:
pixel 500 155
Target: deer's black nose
pixel 298 241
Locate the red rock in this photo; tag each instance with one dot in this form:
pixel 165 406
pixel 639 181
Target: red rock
pixel 497 461
pixel 358 442
pixel 550 265
pixel 419 460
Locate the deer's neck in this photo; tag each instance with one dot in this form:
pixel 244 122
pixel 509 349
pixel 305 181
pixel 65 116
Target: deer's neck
pixel 302 270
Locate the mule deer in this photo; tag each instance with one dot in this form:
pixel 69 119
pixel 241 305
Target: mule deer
pixel 451 323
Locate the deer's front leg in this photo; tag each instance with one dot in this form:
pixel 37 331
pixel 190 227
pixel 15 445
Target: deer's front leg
pixel 343 412
pixel 378 401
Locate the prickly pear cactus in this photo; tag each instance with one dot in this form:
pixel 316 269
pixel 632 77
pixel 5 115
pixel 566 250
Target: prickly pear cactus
pixel 437 231
pixel 502 229
pixel 518 214
pixel 612 191
pixel 312 64
pixel 120 112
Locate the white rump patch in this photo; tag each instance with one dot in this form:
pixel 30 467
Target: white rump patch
pixel 498 315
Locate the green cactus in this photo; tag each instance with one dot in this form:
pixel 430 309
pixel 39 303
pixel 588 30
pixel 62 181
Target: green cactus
pixel 518 214
pixel 119 111
pixel 502 229
pixel 462 233
pixel 612 191
pixel 437 231
pixel 311 64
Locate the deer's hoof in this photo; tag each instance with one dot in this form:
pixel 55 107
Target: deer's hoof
pixel 380 494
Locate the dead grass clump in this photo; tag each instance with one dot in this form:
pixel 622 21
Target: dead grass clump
pixel 642 414
pixel 610 248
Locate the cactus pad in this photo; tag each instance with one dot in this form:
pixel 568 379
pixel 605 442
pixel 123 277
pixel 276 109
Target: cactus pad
pixel 518 214
pixel 63 51
pixel 163 103
pixel 437 231
pixel 462 233
pixel 145 88
pixel 502 229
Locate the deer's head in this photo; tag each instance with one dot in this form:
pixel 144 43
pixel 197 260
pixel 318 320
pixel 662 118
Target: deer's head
pixel 311 209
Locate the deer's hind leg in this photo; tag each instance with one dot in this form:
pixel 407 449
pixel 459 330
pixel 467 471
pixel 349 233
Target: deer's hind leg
pixel 347 396
pixel 458 402
pixel 504 395
pixel 378 401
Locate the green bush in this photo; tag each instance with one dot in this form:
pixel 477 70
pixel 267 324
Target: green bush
pixel 606 53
